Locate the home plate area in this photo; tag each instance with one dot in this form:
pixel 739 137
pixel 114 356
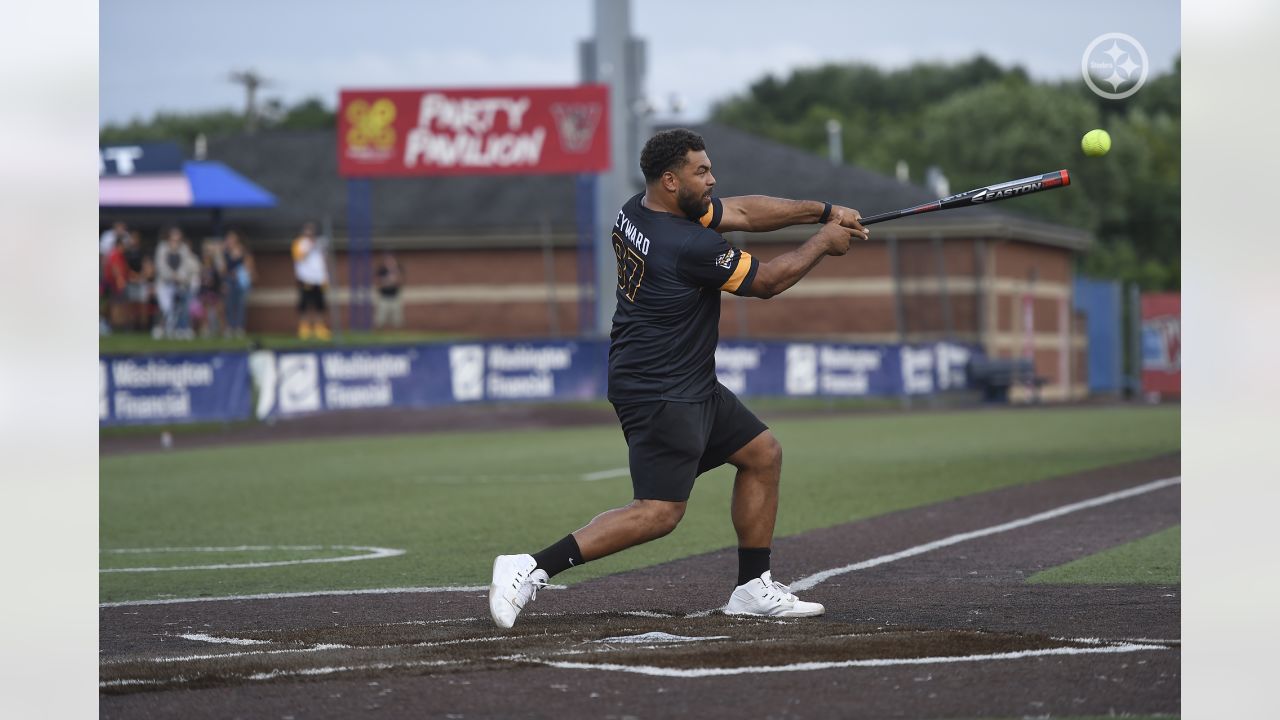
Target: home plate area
pixel 929 614
pixel 647 643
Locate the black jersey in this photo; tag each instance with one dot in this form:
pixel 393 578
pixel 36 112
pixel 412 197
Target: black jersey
pixel 671 271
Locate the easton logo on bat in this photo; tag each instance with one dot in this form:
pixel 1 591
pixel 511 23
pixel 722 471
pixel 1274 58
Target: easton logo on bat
pixel 986 194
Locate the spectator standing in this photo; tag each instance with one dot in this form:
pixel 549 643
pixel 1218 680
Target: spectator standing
pixel 138 290
pixel 312 272
pixel 177 275
pixel 106 243
pixel 239 280
pixel 212 287
pixel 111 236
pixel 115 271
pixel 389 305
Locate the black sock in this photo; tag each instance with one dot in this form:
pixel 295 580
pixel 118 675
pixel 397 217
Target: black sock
pixel 561 556
pixel 752 563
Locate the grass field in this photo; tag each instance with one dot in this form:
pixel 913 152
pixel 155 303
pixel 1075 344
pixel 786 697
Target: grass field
pixel 452 501
pixel 1155 559
pixel 761 406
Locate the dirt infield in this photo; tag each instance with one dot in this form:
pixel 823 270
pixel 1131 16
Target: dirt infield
pixel 942 625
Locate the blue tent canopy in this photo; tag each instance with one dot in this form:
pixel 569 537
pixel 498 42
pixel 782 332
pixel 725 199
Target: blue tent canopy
pixel 216 185
pixel 201 184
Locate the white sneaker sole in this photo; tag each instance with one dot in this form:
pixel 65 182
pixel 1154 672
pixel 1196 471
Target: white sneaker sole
pixel 788 614
pixel 494 599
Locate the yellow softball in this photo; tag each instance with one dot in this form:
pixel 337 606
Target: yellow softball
pixel 1095 143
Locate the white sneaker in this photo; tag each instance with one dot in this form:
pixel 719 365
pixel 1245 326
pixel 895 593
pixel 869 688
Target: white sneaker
pixel 766 597
pixel 516 580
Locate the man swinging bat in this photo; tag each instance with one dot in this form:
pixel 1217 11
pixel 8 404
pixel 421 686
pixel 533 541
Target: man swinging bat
pixel 679 422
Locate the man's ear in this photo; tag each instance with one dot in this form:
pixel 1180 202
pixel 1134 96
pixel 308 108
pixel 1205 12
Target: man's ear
pixel 669 182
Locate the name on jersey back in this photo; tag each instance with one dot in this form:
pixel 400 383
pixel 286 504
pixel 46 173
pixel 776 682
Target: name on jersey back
pixel 632 233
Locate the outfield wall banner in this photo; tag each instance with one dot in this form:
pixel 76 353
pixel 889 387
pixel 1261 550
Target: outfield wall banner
pixel 173 389
pixel 296 383
pixel 480 131
pixel 1162 344
pixel 301 382
pixel 841 369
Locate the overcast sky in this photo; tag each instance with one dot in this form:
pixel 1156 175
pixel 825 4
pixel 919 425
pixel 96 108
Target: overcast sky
pixel 165 55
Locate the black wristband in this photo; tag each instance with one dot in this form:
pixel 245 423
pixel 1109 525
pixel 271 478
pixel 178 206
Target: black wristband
pixel 826 213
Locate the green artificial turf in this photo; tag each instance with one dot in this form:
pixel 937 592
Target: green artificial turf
pixel 1153 560
pixel 454 500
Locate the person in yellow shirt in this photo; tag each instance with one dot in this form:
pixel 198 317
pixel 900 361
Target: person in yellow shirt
pixel 313 278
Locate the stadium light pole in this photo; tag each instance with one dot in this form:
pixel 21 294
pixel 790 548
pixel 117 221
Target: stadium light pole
pixel 612 58
pixel 251 80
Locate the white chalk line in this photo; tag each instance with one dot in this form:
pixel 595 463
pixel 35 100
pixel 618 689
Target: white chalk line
pixel 1115 641
pixel 283 596
pixel 820 577
pixel 126 682
pixel 432 622
pixel 287 651
pixel 211 549
pixel 320 647
pixel 134 682
pixel 606 474
pixel 223 656
pixel 353 668
pixel 650 638
pixel 365 553
pixel 223 640
pixel 743 618
pixel 315 593
pixel 807 666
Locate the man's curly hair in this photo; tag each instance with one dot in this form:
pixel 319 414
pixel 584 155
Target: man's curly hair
pixel 666 151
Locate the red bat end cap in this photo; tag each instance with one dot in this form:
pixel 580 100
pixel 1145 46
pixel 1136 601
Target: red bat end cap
pixel 1066 177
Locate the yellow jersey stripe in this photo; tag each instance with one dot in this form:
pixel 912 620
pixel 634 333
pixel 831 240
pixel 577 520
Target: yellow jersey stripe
pixel 739 272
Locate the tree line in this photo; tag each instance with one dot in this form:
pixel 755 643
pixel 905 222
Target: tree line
pixel 980 123
pixel 977 121
pixel 184 127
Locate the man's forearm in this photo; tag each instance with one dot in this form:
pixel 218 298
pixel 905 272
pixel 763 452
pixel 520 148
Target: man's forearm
pixel 786 270
pixel 761 213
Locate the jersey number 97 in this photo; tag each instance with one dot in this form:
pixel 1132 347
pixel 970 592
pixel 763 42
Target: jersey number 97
pixel 630 268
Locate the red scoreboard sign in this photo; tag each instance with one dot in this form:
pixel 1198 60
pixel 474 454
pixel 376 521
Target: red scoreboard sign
pixel 490 131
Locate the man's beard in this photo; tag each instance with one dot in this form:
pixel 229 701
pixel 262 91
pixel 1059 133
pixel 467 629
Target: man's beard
pixel 692 204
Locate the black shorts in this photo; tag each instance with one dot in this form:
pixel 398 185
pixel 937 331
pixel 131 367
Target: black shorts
pixel 310 296
pixel 670 443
